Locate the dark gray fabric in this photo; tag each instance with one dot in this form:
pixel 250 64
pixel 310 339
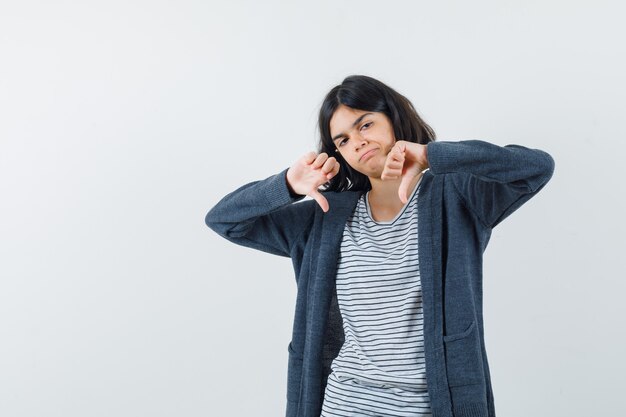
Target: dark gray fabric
pixel 469 188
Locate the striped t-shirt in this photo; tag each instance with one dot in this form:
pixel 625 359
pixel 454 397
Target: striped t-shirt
pixel 380 369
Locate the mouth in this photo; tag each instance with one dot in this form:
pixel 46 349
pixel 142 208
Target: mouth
pixel 367 154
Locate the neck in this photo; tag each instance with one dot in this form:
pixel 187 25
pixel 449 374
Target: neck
pixel 385 193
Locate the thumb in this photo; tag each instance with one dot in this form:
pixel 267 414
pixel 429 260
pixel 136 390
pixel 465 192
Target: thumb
pixel 404 187
pixel 321 200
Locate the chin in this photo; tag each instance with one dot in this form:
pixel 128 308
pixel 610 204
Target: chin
pixel 375 174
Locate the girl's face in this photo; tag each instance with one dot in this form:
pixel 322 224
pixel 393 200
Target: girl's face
pixel 363 139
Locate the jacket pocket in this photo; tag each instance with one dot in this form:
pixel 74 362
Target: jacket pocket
pixel 464 362
pixel 294 374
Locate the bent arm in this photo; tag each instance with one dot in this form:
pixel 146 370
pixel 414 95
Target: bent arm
pixel 493 180
pixel 260 215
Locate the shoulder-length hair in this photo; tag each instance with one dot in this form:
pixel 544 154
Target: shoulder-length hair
pixel 365 93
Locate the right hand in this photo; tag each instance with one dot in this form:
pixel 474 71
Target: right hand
pixel 310 172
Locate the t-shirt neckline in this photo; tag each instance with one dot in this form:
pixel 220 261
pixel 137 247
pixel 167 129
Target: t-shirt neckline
pixel 389 222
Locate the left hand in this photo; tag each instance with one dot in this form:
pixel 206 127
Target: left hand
pixel 406 160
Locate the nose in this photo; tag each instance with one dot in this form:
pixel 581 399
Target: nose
pixel 360 142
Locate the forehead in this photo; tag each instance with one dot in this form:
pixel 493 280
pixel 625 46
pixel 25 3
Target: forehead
pixel 343 117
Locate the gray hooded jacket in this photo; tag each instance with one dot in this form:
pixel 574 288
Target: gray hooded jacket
pixel 469 188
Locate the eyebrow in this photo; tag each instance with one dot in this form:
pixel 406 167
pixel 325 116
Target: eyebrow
pixel 356 122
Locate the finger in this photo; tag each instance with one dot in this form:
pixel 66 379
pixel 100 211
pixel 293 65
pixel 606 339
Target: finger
pixel 397 155
pixel 394 164
pixel 329 165
pixel 404 187
pixel 399 151
pixel 394 158
pixel 391 170
pixel 309 157
pixel 321 200
pixel 319 161
pixel 334 172
pixel 401 145
pixel 395 148
pixel 390 175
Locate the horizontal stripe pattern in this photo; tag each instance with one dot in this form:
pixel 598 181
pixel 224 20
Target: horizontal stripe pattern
pixel 380 369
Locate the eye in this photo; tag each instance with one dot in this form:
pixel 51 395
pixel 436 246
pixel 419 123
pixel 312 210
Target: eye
pixel 362 127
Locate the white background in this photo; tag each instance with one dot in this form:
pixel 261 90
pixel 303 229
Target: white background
pixel 123 122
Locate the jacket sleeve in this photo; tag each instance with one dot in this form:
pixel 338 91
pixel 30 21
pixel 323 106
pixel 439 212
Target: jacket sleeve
pixel 493 180
pixel 260 215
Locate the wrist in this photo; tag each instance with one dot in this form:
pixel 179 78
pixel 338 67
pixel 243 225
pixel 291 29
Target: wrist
pixel 426 163
pixel 290 188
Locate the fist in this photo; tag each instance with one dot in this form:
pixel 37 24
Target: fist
pixel 406 160
pixel 309 172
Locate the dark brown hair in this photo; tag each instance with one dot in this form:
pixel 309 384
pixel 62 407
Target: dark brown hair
pixel 361 92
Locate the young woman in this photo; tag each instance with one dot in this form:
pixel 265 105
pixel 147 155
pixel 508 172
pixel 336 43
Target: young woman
pixel 387 256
